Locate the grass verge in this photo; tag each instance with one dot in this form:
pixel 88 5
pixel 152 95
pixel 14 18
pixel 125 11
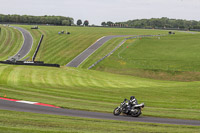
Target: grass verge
pixel 20 122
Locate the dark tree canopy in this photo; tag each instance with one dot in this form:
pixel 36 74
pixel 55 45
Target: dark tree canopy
pixel 66 22
pixel 28 19
pixel 79 22
pixel 86 22
pixel 109 23
pixel 103 23
pixel 158 23
pixel 163 23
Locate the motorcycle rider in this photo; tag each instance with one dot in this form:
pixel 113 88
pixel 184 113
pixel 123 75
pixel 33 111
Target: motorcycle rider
pixel 129 107
pixel 132 102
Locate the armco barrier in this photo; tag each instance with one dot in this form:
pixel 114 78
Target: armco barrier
pixel 35 63
pixel 38 47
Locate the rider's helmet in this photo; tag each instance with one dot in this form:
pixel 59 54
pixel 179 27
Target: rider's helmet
pixel 132 97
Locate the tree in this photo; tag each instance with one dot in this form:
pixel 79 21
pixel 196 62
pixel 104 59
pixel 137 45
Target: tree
pixel 109 23
pixel 103 23
pixel 57 20
pixel 163 22
pixel 66 22
pixel 86 22
pixel 79 22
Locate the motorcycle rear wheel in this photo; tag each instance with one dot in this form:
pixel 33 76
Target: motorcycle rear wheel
pixel 117 111
pixel 137 113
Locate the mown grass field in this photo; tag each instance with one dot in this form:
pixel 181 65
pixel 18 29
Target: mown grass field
pixel 99 91
pixel 172 57
pixel 83 89
pixel 18 122
pixel 11 41
pixel 61 49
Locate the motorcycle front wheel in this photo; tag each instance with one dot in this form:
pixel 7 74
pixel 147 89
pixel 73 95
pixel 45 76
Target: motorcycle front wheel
pixel 136 113
pixel 117 111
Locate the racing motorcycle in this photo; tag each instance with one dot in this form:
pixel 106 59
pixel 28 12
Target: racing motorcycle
pixel 124 107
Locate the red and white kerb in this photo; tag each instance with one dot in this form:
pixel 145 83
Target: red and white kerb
pixel 28 102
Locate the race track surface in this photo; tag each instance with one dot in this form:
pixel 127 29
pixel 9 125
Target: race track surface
pixel 10 105
pixel 85 54
pixel 27 45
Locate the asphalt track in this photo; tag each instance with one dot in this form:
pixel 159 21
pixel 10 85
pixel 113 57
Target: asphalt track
pixel 15 106
pixel 85 54
pixel 27 44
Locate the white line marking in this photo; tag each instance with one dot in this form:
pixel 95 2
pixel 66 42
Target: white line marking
pixel 28 102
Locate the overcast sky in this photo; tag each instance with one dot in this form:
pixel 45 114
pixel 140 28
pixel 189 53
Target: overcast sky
pixel 97 11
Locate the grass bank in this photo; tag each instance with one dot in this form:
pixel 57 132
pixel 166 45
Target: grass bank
pixel 173 57
pixel 20 122
pixel 99 91
pixel 11 41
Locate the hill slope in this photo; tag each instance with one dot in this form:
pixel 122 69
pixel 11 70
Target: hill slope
pixel 174 57
pixel 98 91
pixel 11 41
pixel 62 48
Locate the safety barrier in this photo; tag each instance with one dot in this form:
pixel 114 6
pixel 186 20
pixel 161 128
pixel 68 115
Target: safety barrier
pixel 32 63
pixel 38 47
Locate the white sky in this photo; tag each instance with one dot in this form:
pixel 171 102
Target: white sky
pixel 97 11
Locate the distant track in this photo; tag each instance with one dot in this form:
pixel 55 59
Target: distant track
pixel 85 54
pixel 15 106
pixel 27 44
pixel 191 32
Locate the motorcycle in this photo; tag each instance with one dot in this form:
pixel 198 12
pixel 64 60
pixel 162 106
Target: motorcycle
pixel 134 111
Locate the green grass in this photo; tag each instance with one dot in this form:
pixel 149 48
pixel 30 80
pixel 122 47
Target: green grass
pixel 10 42
pixel 20 122
pixel 61 49
pixel 174 57
pixel 99 91
pixel 36 34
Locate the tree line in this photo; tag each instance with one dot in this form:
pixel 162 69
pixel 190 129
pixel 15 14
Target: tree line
pixel 28 19
pixel 163 23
